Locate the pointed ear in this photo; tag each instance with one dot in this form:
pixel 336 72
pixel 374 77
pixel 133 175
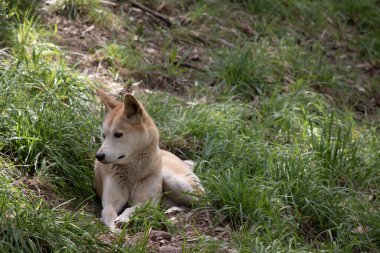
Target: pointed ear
pixel 132 106
pixel 108 101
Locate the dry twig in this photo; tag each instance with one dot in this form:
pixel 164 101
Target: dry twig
pixel 155 14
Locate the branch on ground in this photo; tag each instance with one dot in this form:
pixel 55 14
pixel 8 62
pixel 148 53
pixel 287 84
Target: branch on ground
pixel 155 14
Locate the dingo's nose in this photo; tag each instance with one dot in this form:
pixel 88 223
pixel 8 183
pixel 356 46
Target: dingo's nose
pixel 100 157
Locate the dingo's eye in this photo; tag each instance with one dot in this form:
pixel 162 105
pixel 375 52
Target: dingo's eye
pixel 118 135
pixel 104 136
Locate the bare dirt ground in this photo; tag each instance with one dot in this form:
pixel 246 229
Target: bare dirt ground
pixel 82 40
pixel 78 38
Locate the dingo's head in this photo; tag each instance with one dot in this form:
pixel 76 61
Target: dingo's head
pixel 127 128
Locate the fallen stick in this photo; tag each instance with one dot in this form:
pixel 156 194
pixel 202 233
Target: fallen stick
pixel 155 14
pixel 191 66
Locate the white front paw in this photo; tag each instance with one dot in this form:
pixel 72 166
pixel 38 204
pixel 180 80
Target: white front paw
pixel 121 220
pixel 107 221
pixel 111 225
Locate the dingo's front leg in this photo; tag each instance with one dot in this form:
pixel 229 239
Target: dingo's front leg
pixel 113 200
pixel 147 192
pixel 109 215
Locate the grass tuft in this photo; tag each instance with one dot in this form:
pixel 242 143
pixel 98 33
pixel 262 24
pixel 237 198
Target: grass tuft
pixel 29 225
pixel 75 8
pixel 263 68
pixel 47 125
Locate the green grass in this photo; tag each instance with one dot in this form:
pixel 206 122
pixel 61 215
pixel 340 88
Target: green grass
pixel 75 8
pixel 288 169
pixel 91 11
pixel 149 217
pixel 46 123
pixel 123 57
pixel 28 224
pixel 313 17
pixel 262 67
pixel 305 186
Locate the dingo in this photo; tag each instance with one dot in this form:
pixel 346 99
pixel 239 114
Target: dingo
pixel 130 168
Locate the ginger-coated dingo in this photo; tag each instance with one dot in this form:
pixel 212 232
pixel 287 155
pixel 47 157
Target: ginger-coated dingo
pixel 130 168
